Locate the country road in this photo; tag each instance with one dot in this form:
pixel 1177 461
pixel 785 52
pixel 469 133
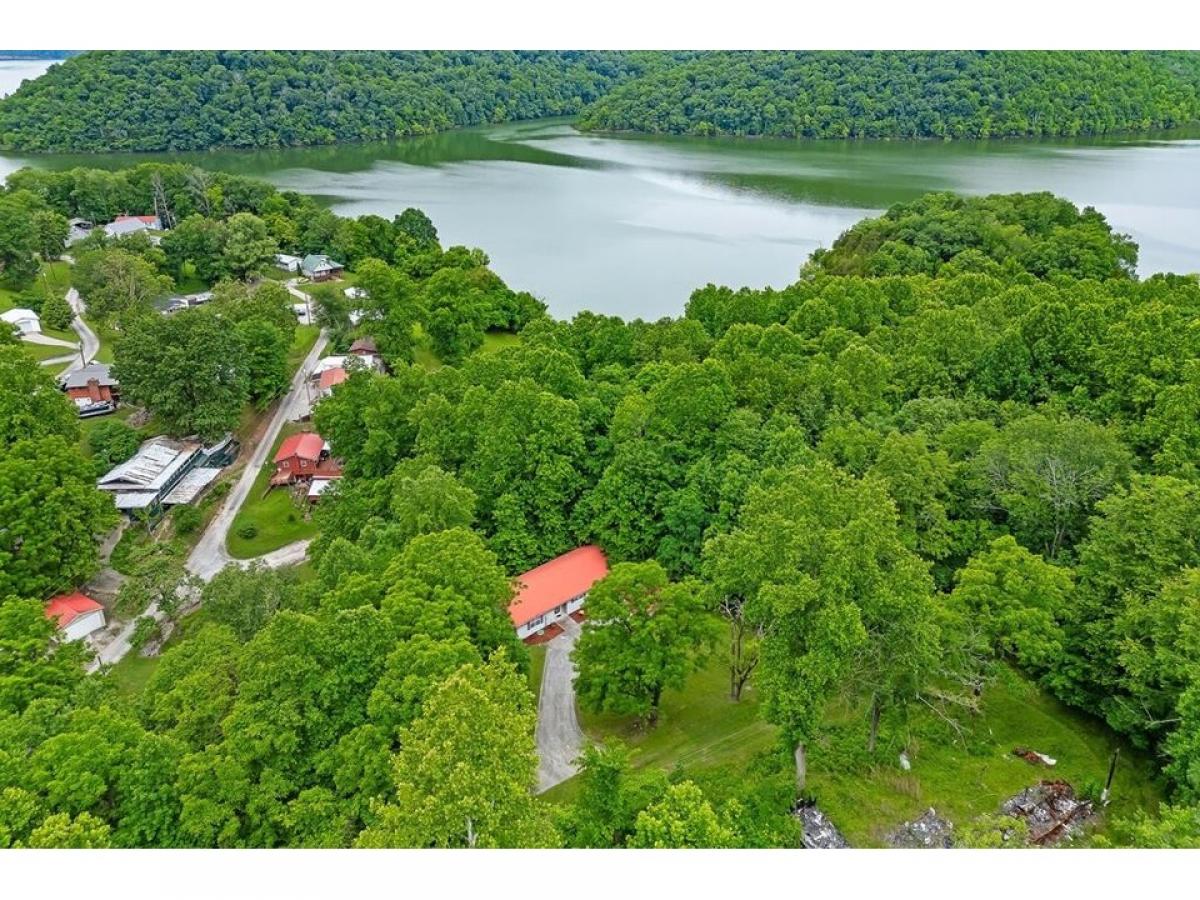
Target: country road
pixel 209 556
pixel 559 737
pixel 89 343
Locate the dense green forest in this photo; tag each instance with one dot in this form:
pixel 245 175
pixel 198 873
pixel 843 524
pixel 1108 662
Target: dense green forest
pixel 904 94
pixel 960 449
pixel 192 100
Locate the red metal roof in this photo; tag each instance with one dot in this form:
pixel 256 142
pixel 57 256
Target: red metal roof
pixel 331 377
pixel 147 219
pixel 66 608
pixel 555 582
pixel 306 445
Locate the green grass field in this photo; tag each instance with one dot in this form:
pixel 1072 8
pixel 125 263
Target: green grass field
pixel 42 352
pixel 701 729
pixel 273 514
pixel 302 341
pixel 131 673
pixel 493 342
pixel 973 776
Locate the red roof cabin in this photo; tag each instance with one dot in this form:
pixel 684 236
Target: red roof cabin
pixel 301 457
pixel 77 615
pixel 330 379
pixel 555 590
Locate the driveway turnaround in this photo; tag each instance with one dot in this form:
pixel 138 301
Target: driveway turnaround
pixel 559 737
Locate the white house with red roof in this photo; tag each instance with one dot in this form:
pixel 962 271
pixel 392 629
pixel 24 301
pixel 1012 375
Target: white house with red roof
pixel 77 615
pixel 555 590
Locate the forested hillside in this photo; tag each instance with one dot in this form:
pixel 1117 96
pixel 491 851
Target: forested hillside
pixel 959 453
pixel 903 94
pixel 193 100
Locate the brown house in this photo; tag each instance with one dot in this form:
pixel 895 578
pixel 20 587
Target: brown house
pixel 302 457
pixel 92 386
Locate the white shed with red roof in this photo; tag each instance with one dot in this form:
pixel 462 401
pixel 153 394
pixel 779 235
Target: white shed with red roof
pixel 77 615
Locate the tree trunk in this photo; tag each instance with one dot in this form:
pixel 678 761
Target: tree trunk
pixel 874 735
pixel 470 832
pixel 740 684
pixel 801 757
pixel 735 656
pixel 655 697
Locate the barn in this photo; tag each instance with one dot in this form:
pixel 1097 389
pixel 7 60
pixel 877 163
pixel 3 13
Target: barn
pixel 555 589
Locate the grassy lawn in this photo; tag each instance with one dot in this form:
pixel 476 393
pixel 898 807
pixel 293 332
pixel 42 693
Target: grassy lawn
pixel 42 352
pixel 866 797
pixel 302 342
pixel 273 514
pixel 967 778
pixel 698 726
pixel 493 342
pixel 537 662
pixel 131 673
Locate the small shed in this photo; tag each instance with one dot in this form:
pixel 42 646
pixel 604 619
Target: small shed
pixel 287 262
pixel 25 321
pixel 77 615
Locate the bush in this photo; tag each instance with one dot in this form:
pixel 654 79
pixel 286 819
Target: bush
pixel 187 519
pixel 112 442
pixel 56 312
pixel 145 629
pixel 248 532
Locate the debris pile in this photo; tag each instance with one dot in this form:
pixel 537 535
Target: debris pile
pixel 1033 757
pixel 928 832
pixel 817 832
pixel 1051 810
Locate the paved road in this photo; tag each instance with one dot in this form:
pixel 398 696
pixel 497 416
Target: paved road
pixel 87 338
pixel 89 343
pixel 36 337
pixel 559 737
pixel 209 556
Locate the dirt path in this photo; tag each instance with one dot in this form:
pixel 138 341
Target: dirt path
pixel 559 737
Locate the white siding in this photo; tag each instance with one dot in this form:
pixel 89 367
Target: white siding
pixel 83 625
pixel 533 626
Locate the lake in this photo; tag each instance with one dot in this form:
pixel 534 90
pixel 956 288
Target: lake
pixel 631 225
pixel 14 71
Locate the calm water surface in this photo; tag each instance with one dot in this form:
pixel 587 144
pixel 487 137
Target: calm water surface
pixel 631 225
pixel 14 71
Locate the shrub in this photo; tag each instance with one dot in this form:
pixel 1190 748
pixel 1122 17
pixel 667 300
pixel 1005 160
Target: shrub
pixel 56 312
pixel 145 629
pixel 248 532
pixel 187 519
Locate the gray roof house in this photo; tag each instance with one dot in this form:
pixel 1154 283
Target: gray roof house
pixel 79 378
pixel 320 267
pixel 144 481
